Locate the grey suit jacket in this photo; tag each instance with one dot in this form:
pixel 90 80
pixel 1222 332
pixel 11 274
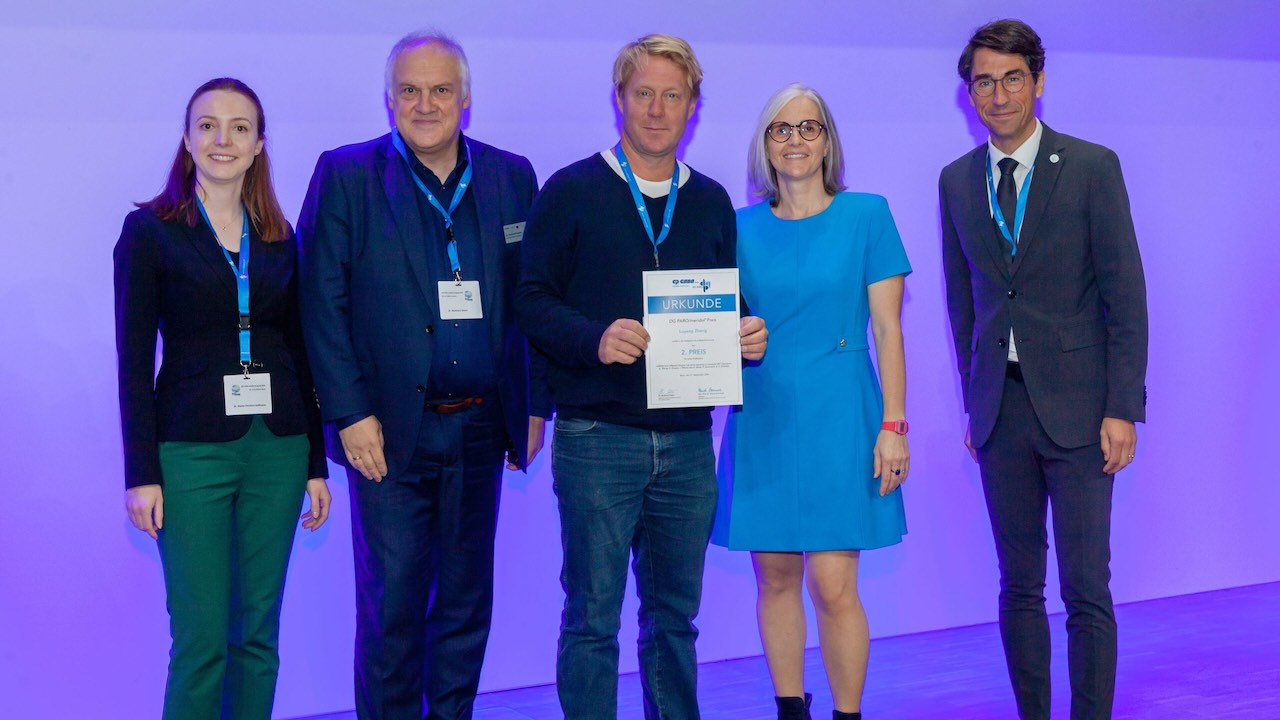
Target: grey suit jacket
pixel 1075 295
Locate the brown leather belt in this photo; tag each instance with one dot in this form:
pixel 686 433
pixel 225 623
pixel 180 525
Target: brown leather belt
pixel 453 407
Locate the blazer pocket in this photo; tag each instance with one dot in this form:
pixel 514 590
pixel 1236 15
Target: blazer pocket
pixel 1074 337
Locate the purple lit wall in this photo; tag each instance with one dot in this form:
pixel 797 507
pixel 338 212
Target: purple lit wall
pixel 1187 93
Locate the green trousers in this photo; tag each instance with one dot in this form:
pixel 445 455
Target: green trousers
pixel 230 513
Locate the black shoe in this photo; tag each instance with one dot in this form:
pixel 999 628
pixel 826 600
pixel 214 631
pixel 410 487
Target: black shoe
pixel 837 715
pixel 794 708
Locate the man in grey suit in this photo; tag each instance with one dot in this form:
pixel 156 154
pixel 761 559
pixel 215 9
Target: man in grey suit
pixel 1049 315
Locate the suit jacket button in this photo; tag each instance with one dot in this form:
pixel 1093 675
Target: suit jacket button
pixel 1013 294
pixel 431 329
pixel 421 388
pixel 1002 342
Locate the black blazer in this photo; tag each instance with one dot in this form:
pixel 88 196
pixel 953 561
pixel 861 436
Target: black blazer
pixel 173 278
pixel 1075 296
pixel 369 305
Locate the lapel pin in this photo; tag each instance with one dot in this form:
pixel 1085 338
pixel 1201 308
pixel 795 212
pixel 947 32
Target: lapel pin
pixel 1053 158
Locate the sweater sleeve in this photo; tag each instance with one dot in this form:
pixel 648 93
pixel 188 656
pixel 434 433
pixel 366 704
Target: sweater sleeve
pixel 555 329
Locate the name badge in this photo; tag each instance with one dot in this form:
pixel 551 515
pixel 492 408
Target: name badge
pixel 514 232
pixel 460 300
pixel 247 394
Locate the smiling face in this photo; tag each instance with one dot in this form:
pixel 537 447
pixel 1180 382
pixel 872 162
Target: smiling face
pixel 797 159
pixel 427 98
pixel 1011 117
pixel 223 137
pixel 656 105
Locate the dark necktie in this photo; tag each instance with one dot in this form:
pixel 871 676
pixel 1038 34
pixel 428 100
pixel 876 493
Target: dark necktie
pixel 1007 196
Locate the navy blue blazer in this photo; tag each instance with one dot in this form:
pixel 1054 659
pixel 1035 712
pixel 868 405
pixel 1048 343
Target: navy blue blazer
pixel 1075 295
pixel 369 305
pixel 173 278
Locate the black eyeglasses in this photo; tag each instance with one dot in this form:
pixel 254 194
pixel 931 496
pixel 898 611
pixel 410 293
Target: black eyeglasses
pixel 1013 83
pixel 780 132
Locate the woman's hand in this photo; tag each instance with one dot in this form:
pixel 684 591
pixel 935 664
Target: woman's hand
pixel 893 460
pixel 318 504
pixel 145 506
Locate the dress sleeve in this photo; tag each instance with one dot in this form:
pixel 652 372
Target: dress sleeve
pixel 885 255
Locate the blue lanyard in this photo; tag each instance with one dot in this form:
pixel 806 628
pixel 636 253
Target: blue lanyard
pixel 640 206
pixel 453 204
pixel 1019 209
pixel 242 280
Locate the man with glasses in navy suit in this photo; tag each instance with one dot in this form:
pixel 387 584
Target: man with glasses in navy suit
pixel 1048 310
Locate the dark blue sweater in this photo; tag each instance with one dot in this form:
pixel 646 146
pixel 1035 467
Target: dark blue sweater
pixel 584 251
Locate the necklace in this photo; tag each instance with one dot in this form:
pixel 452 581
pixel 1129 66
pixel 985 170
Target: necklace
pixel 223 228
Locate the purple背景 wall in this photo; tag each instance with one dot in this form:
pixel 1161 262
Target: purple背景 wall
pixel 93 95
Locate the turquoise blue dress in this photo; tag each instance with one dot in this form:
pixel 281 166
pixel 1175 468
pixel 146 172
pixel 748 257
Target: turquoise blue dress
pixel 796 459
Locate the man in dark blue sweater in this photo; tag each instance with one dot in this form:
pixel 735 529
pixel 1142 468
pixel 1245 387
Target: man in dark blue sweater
pixel 630 480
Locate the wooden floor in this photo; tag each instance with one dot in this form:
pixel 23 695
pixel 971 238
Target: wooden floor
pixel 1210 655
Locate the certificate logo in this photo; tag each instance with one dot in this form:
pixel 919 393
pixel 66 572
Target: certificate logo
pixel 235 390
pixel 466 295
pixel 703 283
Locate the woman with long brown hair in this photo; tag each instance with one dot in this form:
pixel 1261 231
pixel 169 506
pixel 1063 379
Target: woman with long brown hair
pixel 221 445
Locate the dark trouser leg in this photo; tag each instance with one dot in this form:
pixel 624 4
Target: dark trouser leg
pixel 266 518
pixel 391 549
pixel 195 550
pixel 460 610
pixel 1080 494
pixel 600 476
pixel 1016 494
pixel 402 529
pixel 670 550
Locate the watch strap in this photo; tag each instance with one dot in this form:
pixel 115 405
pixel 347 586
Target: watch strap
pixel 896 426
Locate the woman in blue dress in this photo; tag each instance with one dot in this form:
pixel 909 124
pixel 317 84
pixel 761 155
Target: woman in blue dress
pixel 812 461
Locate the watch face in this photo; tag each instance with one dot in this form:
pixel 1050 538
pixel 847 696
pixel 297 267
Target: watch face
pixel 897 426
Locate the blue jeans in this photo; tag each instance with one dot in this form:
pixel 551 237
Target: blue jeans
pixel 625 492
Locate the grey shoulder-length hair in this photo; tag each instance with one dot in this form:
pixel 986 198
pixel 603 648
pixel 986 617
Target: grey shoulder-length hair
pixel 762 179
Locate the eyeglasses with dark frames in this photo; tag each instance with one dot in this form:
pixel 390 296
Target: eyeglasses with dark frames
pixel 780 132
pixel 1013 83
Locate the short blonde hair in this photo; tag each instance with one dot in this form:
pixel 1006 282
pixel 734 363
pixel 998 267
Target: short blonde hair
pixel 762 179
pixel 667 46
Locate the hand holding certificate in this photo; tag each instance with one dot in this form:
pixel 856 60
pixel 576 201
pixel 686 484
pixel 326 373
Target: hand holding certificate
pixel 695 356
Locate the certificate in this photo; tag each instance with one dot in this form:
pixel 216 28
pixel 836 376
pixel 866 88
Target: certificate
pixel 695 354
